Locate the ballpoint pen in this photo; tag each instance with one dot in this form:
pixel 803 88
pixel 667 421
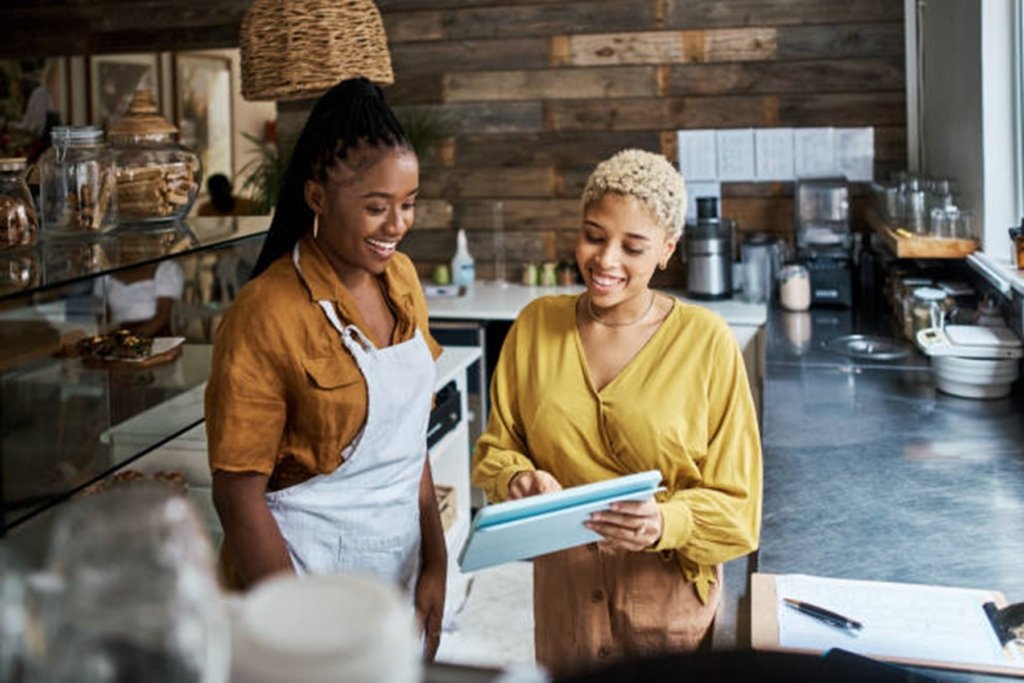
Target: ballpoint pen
pixel 822 614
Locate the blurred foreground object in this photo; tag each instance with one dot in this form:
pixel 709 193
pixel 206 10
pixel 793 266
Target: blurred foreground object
pixel 129 594
pixel 325 629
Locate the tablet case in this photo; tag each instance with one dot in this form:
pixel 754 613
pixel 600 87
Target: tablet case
pixel 527 527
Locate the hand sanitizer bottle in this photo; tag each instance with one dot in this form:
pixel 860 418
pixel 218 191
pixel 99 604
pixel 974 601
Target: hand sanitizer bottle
pixel 463 266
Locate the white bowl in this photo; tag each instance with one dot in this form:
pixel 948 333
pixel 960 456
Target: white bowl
pixel 975 377
pixel 965 390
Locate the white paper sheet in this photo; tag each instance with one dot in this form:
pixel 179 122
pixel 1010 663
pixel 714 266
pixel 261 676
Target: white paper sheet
pixel 735 151
pixel 899 620
pixel 814 154
pixel 697 157
pixel 773 150
pixel 855 153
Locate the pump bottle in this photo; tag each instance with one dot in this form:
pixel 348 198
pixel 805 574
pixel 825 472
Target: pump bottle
pixel 463 266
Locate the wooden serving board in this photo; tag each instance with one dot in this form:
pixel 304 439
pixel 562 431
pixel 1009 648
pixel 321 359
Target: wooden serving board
pixel 917 246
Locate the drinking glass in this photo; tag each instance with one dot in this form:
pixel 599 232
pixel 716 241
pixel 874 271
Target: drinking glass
pixel 942 223
pixel 964 225
pixel 498 229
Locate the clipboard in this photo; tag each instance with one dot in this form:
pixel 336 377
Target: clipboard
pixel 904 623
pixel 527 527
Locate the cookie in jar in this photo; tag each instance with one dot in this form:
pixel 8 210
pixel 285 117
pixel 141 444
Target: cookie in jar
pixel 157 178
pixel 19 224
pixel 77 190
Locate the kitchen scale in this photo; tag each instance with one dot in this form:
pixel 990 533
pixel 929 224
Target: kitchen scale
pixel 969 341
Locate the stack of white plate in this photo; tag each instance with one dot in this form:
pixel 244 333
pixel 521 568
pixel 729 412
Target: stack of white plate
pixel 972 361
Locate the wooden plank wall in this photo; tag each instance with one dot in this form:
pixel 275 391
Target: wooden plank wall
pixel 46 28
pixel 537 91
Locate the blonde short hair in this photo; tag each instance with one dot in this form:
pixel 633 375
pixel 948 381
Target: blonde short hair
pixel 649 178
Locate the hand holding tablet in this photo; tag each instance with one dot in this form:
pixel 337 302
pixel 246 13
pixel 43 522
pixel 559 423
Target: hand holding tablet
pixel 527 527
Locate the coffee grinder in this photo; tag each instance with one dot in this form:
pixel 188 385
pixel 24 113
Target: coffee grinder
pixel 823 238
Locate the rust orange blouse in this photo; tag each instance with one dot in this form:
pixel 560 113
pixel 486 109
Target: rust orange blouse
pixel 284 396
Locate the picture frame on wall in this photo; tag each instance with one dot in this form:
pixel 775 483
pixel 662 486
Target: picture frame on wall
pixel 113 79
pixel 34 97
pixel 203 106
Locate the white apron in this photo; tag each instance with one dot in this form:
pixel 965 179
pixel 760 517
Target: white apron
pixel 364 516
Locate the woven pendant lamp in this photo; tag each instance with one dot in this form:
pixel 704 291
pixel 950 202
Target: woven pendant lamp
pixel 296 49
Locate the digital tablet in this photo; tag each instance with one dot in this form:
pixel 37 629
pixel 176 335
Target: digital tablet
pixel 527 527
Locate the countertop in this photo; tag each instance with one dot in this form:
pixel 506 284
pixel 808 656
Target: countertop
pixel 870 473
pixel 488 300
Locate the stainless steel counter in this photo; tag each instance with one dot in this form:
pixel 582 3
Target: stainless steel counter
pixel 870 473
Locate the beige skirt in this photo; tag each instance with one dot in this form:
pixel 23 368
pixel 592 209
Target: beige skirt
pixel 593 605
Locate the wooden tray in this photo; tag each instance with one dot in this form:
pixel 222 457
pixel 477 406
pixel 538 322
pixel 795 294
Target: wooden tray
pixel 149 361
pixel 907 245
pixel 130 364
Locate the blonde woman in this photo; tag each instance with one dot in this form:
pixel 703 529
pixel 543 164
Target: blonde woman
pixel 617 380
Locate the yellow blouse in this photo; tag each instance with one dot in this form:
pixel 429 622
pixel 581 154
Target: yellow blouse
pixel 682 406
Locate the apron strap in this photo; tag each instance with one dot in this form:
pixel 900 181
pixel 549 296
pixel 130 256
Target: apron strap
pixel 351 336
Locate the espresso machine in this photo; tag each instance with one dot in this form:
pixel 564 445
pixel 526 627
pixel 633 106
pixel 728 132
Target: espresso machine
pixel 823 239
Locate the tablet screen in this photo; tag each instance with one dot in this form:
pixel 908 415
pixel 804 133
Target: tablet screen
pixel 512 510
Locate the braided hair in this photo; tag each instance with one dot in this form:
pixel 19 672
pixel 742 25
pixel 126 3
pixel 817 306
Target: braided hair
pixel 350 114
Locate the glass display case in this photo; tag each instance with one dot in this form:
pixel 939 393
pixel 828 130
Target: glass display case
pixel 72 416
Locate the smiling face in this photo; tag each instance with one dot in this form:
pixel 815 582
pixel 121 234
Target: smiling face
pixel 619 247
pixel 365 207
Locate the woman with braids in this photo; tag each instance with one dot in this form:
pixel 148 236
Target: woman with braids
pixel 617 380
pixel 323 372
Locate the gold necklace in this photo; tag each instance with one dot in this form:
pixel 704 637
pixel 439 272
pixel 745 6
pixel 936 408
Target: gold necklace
pixel 597 319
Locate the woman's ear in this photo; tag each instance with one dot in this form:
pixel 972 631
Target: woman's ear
pixel 670 247
pixel 314 192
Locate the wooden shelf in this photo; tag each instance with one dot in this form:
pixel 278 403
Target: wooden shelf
pixel 907 245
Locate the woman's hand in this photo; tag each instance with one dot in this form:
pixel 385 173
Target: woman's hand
pixel 430 589
pixel 532 482
pixel 629 524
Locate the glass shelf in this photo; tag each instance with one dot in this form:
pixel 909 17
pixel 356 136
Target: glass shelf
pixel 65 423
pixel 58 263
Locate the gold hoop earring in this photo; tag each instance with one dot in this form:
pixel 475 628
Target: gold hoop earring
pixel 316 225
pixel 663 265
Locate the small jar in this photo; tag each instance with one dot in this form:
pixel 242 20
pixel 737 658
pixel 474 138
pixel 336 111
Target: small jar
pixel 157 178
pixel 929 307
pixel 1017 236
pixel 19 269
pixel 531 274
pixel 77 183
pixel 549 274
pixel 566 274
pixel 19 225
pixel 795 288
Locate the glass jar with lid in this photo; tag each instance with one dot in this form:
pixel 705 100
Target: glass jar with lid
pixel 19 225
pixel 19 269
pixel 157 178
pixel 929 307
pixel 77 193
